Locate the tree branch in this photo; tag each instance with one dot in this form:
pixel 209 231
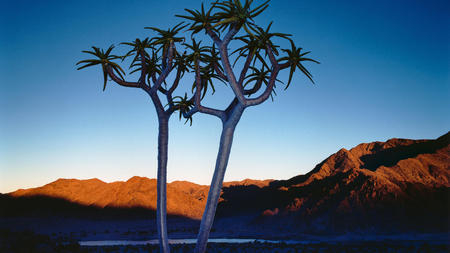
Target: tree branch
pixel 285 65
pixel 218 42
pixel 213 36
pixel 197 99
pixel 175 82
pixel 219 72
pixel 143 69
pixel 246 66
pixel 218 113
pixel 198 81
pixel 273 78
pixel 229 36
pixel 237 89
pixel 120 81
pixel 166 70
pixel 254 89
pixel 169 92
pixel 164 57
pixel 230 107
pixel 206 110
pixel 156 101
pixel 272 58
pixel 154 80
pixel 263 97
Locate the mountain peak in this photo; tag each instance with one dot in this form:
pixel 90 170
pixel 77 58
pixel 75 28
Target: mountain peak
pixel 395 159
pixel 136 179
pixel 248 182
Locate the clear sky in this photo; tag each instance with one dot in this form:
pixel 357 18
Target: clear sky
pixel 384 74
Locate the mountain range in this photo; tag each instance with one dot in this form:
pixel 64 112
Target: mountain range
pixel 399 184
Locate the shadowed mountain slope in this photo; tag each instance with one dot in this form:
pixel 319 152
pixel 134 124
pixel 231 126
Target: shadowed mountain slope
pixel 184 198
pixel 395 184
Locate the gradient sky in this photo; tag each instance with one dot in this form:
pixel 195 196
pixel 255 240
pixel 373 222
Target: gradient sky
pixel 384 73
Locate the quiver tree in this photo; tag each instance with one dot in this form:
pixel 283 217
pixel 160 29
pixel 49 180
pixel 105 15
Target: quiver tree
pixel 152 60
pixel 261 60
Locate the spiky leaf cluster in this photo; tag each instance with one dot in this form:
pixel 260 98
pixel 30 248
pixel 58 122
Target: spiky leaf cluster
pixel 200 19
pixel 294 57
pixel 237 14
pixel 257 78
pixel 183 105
pixel 198 53
pixel 207 77
pixel 213 58
pixel 138 47
pixel 182 63
pixel 234 13
pixel 204 58
pixel 138 50
pixel 224 14
pixel 104 58
pixel 258 42
pixel 166 37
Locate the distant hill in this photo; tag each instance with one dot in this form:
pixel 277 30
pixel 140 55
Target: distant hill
pixel 184 198
pixel 397 184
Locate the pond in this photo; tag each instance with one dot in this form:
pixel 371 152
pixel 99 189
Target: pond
pixel 185 241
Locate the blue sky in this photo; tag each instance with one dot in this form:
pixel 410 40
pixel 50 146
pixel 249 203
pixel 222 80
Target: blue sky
pixel 384 73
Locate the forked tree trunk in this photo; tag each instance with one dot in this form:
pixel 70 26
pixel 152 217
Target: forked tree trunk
pixel 226 140
pixel 161 205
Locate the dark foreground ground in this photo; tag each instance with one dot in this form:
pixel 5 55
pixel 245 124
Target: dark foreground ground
pixel 57 234
pixel 284 248
pixel 18 242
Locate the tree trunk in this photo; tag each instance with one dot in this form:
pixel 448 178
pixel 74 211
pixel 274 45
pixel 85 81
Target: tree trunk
pixel 223 156
pixel 161 205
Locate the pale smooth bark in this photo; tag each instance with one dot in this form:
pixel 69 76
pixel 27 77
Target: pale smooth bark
pixel 163 139
pixel 161 208
pixel 230 118
pixel 226 141
pixel 161 185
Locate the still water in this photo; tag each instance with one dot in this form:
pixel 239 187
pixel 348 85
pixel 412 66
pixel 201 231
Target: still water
pixel 181 241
